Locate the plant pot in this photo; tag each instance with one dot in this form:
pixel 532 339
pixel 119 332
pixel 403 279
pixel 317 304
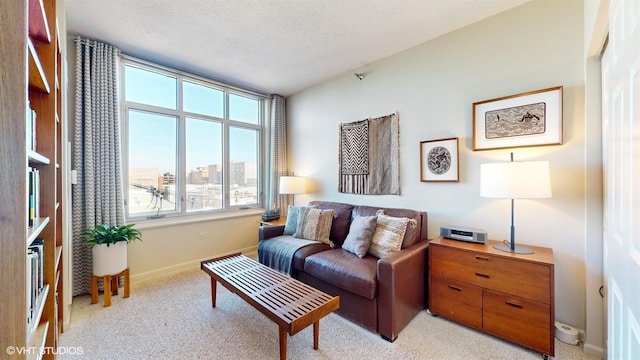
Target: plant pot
pixel 109 260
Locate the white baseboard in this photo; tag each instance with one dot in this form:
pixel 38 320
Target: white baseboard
pixel 189 265
pixel 593 350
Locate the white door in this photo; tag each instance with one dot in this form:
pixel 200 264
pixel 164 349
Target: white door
pixel 621 157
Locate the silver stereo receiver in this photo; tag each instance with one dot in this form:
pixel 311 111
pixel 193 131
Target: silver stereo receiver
pixel 464 234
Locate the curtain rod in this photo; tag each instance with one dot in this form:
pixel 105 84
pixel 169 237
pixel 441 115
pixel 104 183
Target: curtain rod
pixel 92 44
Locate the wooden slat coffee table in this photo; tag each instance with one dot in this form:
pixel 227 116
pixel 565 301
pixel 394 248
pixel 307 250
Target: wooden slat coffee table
pixel 291 304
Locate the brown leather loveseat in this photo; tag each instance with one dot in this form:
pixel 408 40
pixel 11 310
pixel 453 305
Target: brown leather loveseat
pixel 381 294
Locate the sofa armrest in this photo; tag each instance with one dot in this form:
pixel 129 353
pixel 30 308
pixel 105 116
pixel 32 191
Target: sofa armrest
pixel 401 288
pixel 270 231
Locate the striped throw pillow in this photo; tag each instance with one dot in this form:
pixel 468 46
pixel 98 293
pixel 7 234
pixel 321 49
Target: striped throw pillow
pixel 389 234
pixel 315 224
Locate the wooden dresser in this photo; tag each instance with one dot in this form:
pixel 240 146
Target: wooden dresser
pixel 500 293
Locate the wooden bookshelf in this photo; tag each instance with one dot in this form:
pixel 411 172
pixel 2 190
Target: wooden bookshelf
pixel 37 77
pixel 30 40
pixel 38 23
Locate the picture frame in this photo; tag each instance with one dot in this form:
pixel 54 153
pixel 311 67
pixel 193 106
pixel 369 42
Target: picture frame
pixel 528 119
pixel 439 160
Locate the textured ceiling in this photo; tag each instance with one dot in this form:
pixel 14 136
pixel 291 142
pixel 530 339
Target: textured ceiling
pixel 272 46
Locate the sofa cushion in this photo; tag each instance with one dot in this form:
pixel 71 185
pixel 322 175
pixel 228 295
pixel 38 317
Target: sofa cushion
pixel 302 253
pixel 340 225
pixel 360 233
pixel 345 270
pixel 411 236
pixel 389 233
pixel 315 224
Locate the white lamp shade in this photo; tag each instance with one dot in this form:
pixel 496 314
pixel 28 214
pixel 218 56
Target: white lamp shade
pixel 515 180
pixel 293 185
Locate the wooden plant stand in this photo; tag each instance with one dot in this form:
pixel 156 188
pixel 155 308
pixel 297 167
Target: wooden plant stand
pixel 110 284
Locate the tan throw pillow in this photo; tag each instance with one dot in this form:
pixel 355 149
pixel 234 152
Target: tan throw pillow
pixel 360 233
pixel 315 224
pixel 293 212
pixel 389 233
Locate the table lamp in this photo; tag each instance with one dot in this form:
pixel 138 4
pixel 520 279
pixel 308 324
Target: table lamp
pixel 515 180
pixel 290 185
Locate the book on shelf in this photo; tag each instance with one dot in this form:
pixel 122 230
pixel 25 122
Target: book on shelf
pixel 31 128
pixel 31 202
pixel 35 276
pixel 36 194
pixel 32 286
pixel 33 211
pixel 29 288
pixel 37 246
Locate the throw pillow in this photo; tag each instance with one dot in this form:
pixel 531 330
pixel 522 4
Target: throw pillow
pixel 315 224
pixel 360 233
pixel 291 225
pixel 389 233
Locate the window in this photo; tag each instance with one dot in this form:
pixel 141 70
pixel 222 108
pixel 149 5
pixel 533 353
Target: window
pixel 192 145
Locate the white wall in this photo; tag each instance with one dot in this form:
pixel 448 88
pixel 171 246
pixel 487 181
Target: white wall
pixel 175 247
pixel 596 28
pixel 432 87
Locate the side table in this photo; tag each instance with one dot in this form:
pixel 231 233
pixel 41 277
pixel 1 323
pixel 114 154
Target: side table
pixel 281 221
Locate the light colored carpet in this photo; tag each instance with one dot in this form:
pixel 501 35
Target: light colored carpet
pixel 172 318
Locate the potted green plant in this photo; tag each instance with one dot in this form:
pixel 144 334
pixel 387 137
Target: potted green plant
pixel 109 247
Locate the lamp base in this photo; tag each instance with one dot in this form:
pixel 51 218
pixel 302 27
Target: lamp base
pixel 517 250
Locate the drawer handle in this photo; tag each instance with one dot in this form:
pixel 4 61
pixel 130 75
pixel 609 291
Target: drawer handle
pixel 455 288
pixel 514 304
pixel 482 275
pixel 482 258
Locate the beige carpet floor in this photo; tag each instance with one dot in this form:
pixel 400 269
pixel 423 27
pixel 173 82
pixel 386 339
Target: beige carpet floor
pixel 172 318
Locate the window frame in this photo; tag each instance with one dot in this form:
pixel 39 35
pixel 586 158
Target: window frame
pixel 181 213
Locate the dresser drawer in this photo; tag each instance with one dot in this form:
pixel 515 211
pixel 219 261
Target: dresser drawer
pixel 455 300
pixel 520 320
pixel 493 272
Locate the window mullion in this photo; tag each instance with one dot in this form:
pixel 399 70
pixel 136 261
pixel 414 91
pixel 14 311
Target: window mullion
pixel 181 156
pixel 241 124
pixel 151 108
pixel 226 167
pixel 182 172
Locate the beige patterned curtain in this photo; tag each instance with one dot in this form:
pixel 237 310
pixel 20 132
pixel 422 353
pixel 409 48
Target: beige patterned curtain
pixel 98 195
pixel 278 160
